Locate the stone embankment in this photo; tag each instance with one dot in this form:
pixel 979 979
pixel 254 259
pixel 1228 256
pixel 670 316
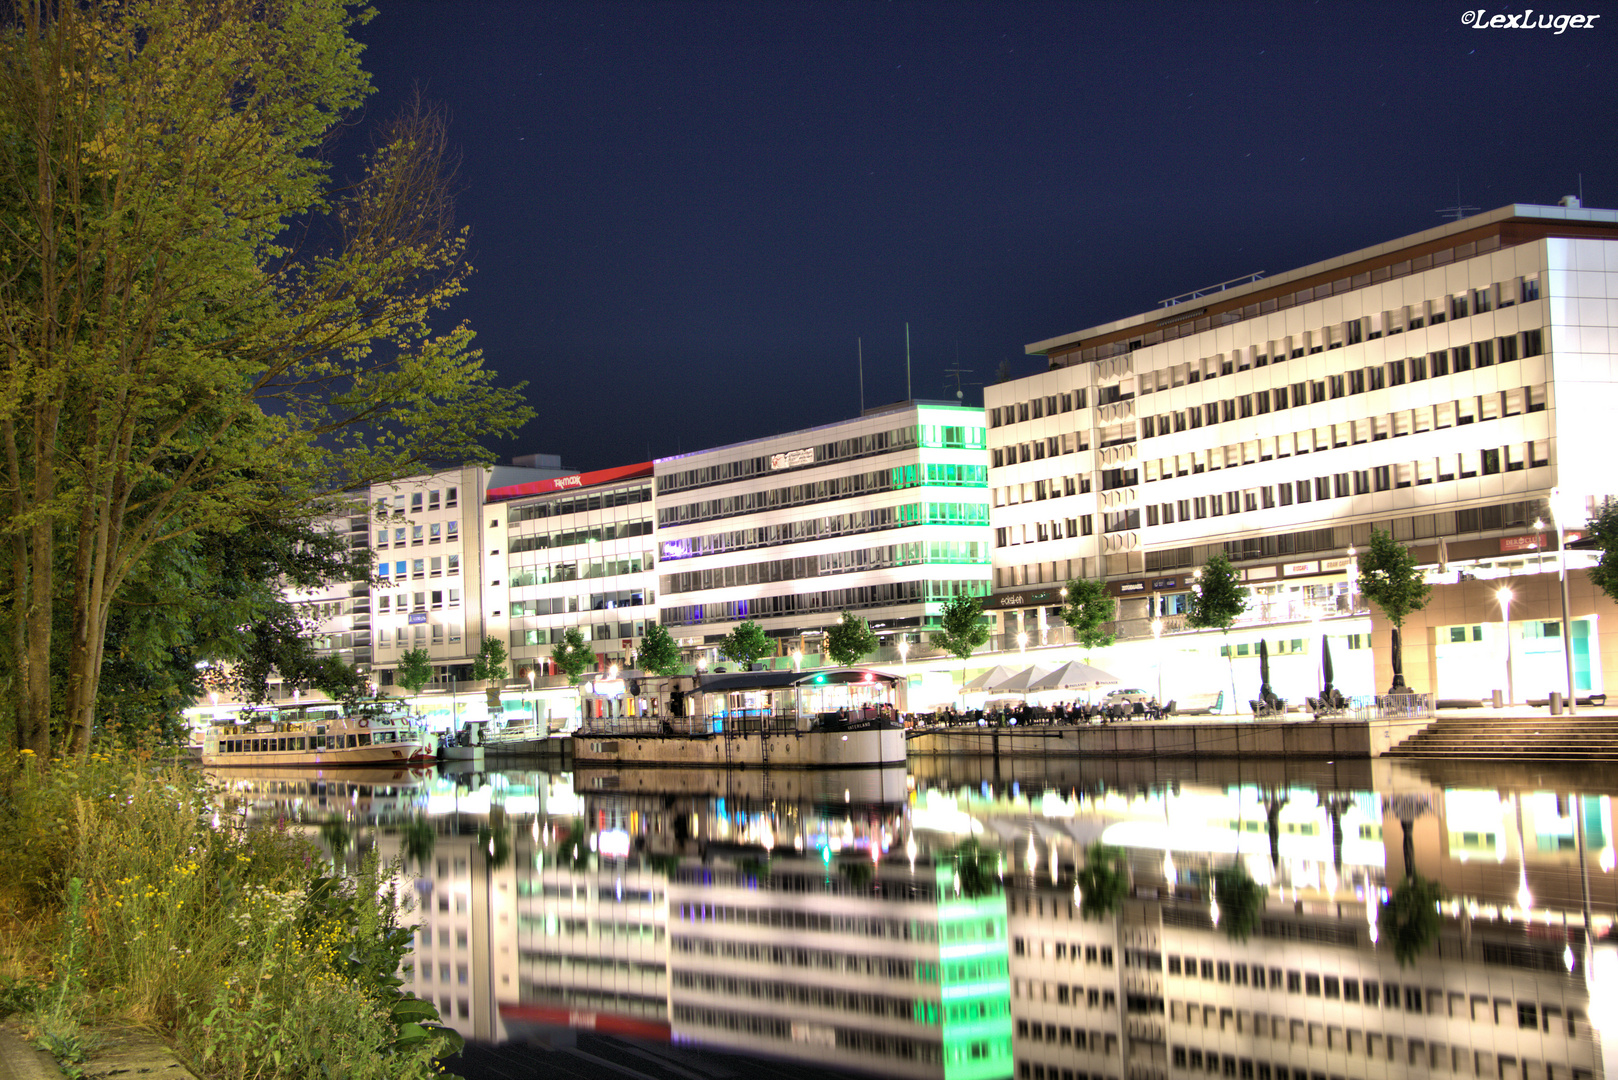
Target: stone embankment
pixel 122 1052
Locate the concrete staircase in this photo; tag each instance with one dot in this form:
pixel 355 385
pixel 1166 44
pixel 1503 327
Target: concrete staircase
pixel 1478 735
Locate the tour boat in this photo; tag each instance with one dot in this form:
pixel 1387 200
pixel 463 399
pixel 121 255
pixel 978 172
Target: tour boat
pixel 320 735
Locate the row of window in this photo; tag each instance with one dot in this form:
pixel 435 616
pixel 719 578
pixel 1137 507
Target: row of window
pixel 886 556
pixel 1069 442
pixel 1435 1056
pixel 1527 288
pixel 1444 415
pixel 850 963
pixel 944 436
pixel 547 573
pixel 397 502
pixel 1061 950
pixel 1033 1070
pixel 436 598
pixel 819 922
pixel 1037 532
pixel 798 995
pixel 594 534
pixel 826 601
pixel 1489 461
pixel 748 502
pixel 789 532
pixel 434 566
pixel 304 743
pixel 581 503
pixel 432 532
pixel 1097 1042
pixel 1352 332
pixel 418 635
pixel 597 632
pixel 860 1042
pixel 1370 993
pixel 1035 408
pixel 565 605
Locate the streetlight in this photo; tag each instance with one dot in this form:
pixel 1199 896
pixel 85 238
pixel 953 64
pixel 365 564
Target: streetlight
pixel 1561 510
pixel 1022 641
pixel 797 659
pixel 1157 635
pixel 1539 542
pixel 1503 595
pixel 904 651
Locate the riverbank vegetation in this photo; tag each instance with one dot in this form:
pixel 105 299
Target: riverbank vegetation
pixel 131 894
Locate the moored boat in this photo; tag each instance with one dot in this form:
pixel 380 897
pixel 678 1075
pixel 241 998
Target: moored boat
pixel 319 735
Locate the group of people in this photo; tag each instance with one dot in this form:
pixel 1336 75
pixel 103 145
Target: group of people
pixel 1061 713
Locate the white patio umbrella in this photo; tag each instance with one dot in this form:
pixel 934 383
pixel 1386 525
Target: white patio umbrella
pixel 1023 681
pixel 1073 676
pixel 989 680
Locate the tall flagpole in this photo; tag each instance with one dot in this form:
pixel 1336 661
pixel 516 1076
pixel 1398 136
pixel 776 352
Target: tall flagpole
pixel 860 344
pixel 908 396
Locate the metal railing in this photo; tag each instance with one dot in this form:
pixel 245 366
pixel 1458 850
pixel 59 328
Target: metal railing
pixel 1394 707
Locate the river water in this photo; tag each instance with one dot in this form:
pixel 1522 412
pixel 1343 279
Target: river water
pixel 932 922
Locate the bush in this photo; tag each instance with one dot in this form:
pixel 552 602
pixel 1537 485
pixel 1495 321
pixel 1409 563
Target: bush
pixel 158 907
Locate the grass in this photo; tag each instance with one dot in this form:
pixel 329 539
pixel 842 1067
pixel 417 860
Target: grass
pixel 131 894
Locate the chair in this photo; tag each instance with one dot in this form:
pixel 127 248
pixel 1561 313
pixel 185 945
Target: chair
pixel 1140 708
pixel 1168 710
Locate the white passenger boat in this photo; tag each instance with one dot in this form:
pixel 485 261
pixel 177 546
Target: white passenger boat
pixel 318 735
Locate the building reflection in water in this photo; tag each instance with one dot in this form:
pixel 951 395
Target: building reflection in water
pixel 926 924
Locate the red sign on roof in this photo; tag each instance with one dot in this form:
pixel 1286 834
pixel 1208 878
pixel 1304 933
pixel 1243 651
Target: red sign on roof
pixel 567 483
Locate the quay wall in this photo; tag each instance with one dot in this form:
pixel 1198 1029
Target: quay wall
pixel 1159 739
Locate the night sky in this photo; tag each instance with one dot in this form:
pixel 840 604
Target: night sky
pixel 685 215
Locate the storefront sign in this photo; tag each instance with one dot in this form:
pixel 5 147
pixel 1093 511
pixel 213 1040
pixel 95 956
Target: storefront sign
pixel 1259 573
pixel 1164 582
pixel 1027 599
pixel 1519 543
pixel 1132 586
pixel 417 617
pixel 1293 569
pixel 792 459
pixel 1329 566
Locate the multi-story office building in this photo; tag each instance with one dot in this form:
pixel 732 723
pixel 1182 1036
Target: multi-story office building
pixel 886 515
pixel 1440 385
pixel 571 551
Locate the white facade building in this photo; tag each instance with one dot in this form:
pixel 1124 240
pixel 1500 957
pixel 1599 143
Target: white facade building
pixel 1439 385
pixel 886 516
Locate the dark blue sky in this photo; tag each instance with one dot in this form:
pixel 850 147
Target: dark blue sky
pixel 685 214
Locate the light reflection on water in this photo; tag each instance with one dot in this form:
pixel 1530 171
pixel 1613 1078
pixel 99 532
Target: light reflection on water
pixel 923 922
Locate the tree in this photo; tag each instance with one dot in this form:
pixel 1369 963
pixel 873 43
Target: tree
pixel 1216 600
pixel 1240 900
pixel 1389 579
pixel 962 628
pixel 573 655
pixel 1602 530
pixel 490 666
pixel 198 324
pixel 1089 607
pixel 1410 919
pixel 746 644
pixel 1103 881
pixel 850 640
pixel 659 652
pixel 415 670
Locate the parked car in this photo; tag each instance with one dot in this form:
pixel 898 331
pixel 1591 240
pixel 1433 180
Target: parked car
pixel 1125 695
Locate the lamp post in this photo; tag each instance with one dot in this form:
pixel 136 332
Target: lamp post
pixel 1560 512
pixel 1503 595
pixel 1539 541
pixel 904 651
pixel 797 659
pixel 1157 636
pixel 1022 641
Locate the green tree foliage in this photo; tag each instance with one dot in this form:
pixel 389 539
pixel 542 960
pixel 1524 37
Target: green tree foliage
pixel 659 652
pixel 1240 899
pixel 573 655
pixel 1088 609
pixel 1603 532
pixel 962 627
pixel 977 870
pixel 490 662
pixel 1389 578
pixel 746 644
pixel 1409 921
pixel 1103 881
pixel 415 670
pixel 850 640
pixel 1218 597
pixel 200 327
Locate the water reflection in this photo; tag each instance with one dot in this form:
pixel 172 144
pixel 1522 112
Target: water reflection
pixel 926 923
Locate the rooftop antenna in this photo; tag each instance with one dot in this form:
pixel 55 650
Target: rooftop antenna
pixel 956 373
pixel 908 395
pixel 859 343
pixel 1460 209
